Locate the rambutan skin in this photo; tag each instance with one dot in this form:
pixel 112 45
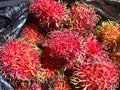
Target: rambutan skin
pixel 109 34
pixel 20 60
pixel 56 82
pixel 61 85
pixel 62 47
pixel 93 47
pixel 49 13
pixel 93 74
pixel 83 18
pixel 115 57
pixel 31 33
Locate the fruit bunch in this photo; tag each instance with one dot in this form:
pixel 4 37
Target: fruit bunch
pixel 63 48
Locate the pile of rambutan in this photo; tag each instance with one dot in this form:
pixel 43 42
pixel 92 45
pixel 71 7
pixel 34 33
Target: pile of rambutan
pixel 62 48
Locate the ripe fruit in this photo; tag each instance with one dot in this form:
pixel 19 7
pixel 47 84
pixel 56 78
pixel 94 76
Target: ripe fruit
pixel 49 13
pixel 95 74
pixel 93 47
pixel 83 18
pixel 31 33
pixel 20 60
pixel 109 33
pixel 61 48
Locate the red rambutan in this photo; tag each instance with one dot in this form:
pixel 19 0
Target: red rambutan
pixel 109 34
pixel 49 13
pixel 31 33
pixel 93 47
pixel 93 74
pixel 61 48
pixel 20 60
pixel 82 18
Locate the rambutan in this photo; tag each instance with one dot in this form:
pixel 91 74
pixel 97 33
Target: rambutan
pixel 20 60
pixel 109 33
pixel 31 33
pixel 98 74
pixel 93 47
pixel 61 48
pixel 49 13
pixel 83 18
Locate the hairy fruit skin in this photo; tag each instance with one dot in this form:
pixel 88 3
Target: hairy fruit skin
pixel 93 47
pixel 57 82
pixel 61 48
pixel 61 85
pixel 83 18
pixel 93 74
pixel 20 60
pixel 49 13
pixel 115 57
pixel 31 33
pixel 109 33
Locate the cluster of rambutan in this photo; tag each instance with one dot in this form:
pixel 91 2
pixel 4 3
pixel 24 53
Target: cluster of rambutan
pixel 39 60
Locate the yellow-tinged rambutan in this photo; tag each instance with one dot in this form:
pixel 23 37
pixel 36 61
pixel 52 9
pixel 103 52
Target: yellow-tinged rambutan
pixel 109 34
pixel 31 33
